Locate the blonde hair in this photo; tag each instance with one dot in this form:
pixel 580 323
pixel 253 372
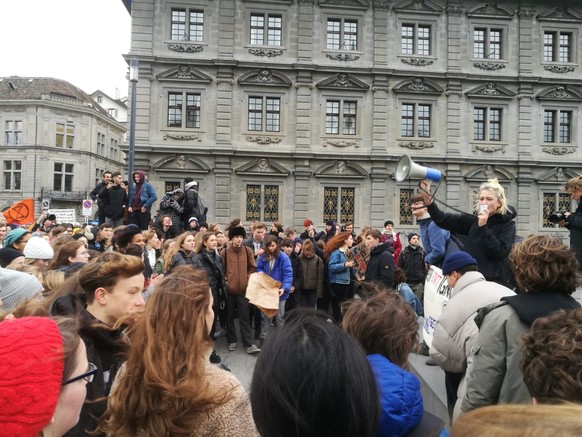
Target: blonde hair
pixel 540 420
pixel 494 186
pixel 573 184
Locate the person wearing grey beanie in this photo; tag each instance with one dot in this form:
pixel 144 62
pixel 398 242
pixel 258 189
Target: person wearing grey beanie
pixel 17 287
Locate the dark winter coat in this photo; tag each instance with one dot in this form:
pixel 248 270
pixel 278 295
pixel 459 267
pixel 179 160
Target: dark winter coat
pixel 212 263
pixel 574 224
pixel 181 259
pixel 312 274
pixel 172 208
pixel 489 244
pixel 239 263
pixel 114 201
pixel 411 261
pixel 381 265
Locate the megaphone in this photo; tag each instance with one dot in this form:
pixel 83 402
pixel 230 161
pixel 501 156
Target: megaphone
pixel 407 168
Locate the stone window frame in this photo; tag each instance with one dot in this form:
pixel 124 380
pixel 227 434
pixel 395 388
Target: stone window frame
pixel 68 137
pixel 359 18
pixel 262 184
pixel 67 173
pixel 403 18
pixel 352 185
pixel 13 129
pixel 282 96
pixel 188 10
pixel 266 15
pixel 266 9
pixel 12 172
pixel 343 97
pixel 432 125
pixel 559 108
pixel 163 115
pixel 503 129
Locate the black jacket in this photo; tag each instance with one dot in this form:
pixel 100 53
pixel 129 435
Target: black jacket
pixel 381 265
pixel 212 263
pixel 489 245
pixel 411 261
pixel 574 224
pixel 114 202
pixel 105 348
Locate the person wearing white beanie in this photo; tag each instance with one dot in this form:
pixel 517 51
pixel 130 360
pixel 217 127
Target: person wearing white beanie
pixel 17 287
pixel 38 252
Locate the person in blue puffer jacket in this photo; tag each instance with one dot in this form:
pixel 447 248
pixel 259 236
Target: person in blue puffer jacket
pixel 386 327
pixel 340 270
pixel 277 265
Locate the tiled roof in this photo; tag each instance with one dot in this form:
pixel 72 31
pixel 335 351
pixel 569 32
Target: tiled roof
pixel 33 88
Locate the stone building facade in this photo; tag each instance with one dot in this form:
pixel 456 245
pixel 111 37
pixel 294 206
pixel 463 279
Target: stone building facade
pixel 56 143
pixel 288 109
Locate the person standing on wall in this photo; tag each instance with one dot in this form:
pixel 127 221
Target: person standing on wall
pixel 141 198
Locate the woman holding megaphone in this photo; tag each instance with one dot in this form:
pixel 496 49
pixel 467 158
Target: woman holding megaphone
pixel 489 234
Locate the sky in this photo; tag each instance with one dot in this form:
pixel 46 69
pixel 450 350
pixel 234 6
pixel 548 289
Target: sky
pixel 80 41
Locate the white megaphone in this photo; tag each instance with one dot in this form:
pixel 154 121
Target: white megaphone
pixel 407 168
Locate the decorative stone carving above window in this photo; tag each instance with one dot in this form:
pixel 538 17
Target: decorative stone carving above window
pixel 269 53
pixel 265 77
pixel 492 10
pixel 489 148
pixel 417 62
pixel 560 69
pixel 561 92
pixel 184 72
pixel 489 65
pixel 416 145
pixel 491 89
pixel 381 5
pixel 419 6
pixel 345 4
pixel 419 85
pixel 344 81
pixel 262 166
pixel 184 47
pixel 561 14
pixel 343 56
pixel 263 139
pixel 456 10
pixel 181 137
pixel 339 143
pixel 556 174
pixel 560 150
pixel 344 168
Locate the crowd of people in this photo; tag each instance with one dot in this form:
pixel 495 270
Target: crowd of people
pixel 111 329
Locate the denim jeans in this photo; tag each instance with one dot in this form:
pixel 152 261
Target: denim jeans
pixel 267 326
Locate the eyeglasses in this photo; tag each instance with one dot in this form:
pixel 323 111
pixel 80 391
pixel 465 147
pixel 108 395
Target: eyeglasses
pixel 88 376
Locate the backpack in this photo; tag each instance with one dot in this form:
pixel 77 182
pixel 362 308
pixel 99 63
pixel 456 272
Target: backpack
pixel 200 209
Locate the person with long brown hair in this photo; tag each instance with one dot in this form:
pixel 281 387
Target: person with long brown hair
pixel 167 386
pixel 181 253
pixel 73 251
pixel 339 270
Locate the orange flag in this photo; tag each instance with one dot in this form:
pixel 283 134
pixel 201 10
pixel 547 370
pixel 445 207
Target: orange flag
pixel 20 213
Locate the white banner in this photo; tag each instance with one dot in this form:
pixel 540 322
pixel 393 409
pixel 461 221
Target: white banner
pixel 63 215
pixel 436 294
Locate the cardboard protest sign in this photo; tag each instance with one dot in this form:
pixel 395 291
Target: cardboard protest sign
pixel 436 294
pixel 361 254
pixel 263 292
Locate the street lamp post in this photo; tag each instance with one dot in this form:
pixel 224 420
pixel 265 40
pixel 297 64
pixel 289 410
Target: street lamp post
pixel 133 78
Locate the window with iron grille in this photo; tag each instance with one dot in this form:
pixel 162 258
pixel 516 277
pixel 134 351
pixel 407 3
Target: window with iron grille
pixel 340 117
pixel 63 176
pixel 558 46
pixel 266 29
pixel 171 186
pixel 262 202
pixel 187 25
pixel 487 124
pixel 13 132
pixel 554 202
pixel 12 172
pixel 339 204
pixel 184 110
pixel 264 114
pixel 405 202
pixel 65 135
pixel 487 43
pixel 342 34
pixel 415 120
pixel 415 39
pixel 557 126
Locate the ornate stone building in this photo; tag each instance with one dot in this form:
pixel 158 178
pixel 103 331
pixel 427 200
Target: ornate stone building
pixel 56 143
pixel 287 109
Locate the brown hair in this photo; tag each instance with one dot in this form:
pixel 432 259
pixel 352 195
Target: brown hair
pixel 336 242
pixel 270 240
pixel 417 198
pixel 205 236
pixel 308 250
pixel 169 253
pixel 573 184
pixel 399 275
pixel 520 421
pixel 69 249
pixel 375 234
pixel 106 271
pixel 69 329
pixel 384 324
pixel 551 360
pixel 163 390
pixel 544 263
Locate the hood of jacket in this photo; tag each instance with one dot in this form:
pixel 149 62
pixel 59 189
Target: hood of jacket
pixel 508 216
pixel 383 247
pixel 141 176
pixel 531 306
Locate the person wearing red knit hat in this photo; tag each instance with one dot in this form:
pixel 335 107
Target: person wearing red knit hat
pixel 43 376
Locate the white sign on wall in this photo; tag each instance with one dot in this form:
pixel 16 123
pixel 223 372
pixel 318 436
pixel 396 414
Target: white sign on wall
pixel 64 215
